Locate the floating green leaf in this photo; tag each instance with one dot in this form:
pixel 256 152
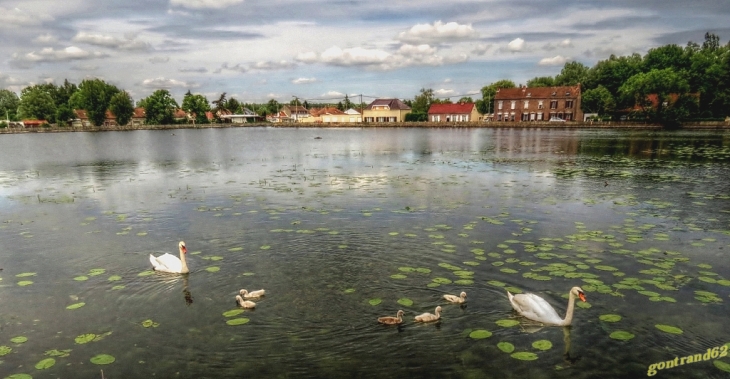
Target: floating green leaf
pixel 721 365
pixel 405 302
pixel 96 271
pixel 610 318
pixel 542 345
pixel 506 347
pixel 146 273
pixel 75 306
pixel 237 321
pixel 114 278
pixel 507 323
pixel 480 334
pixel 233 312
pixel 375 301
pixel 81 278
pixel 45 363
pixel 102 359
pixel 58 353
pixel 265 247
pixel 4 350
pixel 19 339
pixel 85 338
pixel 235 249
pixel 349 290
pixel 669 329
pixel 440 280
pixel 150 324
pixel 213 269
pixel 621 335
pixel 24 283
pixel 25 274
pixel 524 356
pixel 19 376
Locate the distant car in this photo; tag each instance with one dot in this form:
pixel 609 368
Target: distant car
pixel 556 119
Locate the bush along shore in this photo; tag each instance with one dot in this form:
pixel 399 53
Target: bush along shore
pixel 702 125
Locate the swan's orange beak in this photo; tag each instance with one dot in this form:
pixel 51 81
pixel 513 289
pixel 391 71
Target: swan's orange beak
pixel 582 296
pixel 185 251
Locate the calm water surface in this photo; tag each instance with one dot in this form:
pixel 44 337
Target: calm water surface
pixel 354 225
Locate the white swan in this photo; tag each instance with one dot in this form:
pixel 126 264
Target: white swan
pixel 170 263
pixel 245 303
pixel 536 308
pixel 390 320
pixel 456 299
pixel 426 317
pixel 252 294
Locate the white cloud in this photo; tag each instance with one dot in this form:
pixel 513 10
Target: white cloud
pixel 164 83
pixel 356 56
pixel 203 4
pixel 45 39
pixel 111 42
pixel 84 67
pixel 333 94
pixel 443 92
pixel 517 44
pixel 308 57
pixel 304 80
pixel 481 49
pixel 194 69
pixel 566 43
pixel 438 32
pixel 17 17
pixel 270 65
pixel 412 50
pixel 50 54
pixel 238 68
pixel 407 55
pixel 557 60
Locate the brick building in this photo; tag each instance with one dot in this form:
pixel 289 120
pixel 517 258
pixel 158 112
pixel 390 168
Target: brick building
pixel 538 104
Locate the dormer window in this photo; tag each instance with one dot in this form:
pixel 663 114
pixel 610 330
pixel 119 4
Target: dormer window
pixel 555 93
pixel 567 94
pixel 529 94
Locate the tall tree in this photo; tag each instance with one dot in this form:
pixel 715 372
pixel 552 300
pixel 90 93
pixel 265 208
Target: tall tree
pixel 613 72
pixel 542 81
pixel 36 103
pixel 94 96
pixel 422 101
pixel 489 91
pixel 160 107
pixel 660 94
pixel 9 102
pixel 347 104
pixel 122 105
pixel 573 73
pixel 196 104
pixel 598 100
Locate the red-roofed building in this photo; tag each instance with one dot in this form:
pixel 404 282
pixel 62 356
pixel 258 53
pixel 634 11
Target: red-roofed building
pixel 538 104
pixel 81 120
pixel 110 119
pixel 33 123
pixel 139 117
pixel 459 112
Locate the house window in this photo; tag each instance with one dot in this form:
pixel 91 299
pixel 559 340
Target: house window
pixel 513 104
pixel 499 105
pixel 499 117
pixel 539 104
pixel 569 103
pixel 529 94
pixel 512 117
pixel 527 104
pixel 553 104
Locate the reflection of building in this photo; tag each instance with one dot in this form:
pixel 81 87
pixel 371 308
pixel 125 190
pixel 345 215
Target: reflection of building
pixel 461 112
pixel 538 104
pixel 386 110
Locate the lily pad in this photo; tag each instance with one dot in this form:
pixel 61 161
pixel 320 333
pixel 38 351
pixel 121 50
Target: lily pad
pixel 524 356
pixel 398 276
pixel 669 329
pixel 406 302
pixel 81 278
pixel 19 339
pixel 85 338
pixel 114 278
pixel 45 363
pixel 506 347
pixel 238 321
pixel 621 335
pixel 102 359
pixel 542 345
pixel 4 350
pixel 375 301
pixel 721 365
pixel 96 271
pixel 349 290
pixel 146 273
pixel 232 312
pixel 24 283
pixel 76 306
pixel 25 274
pixel 19 376
pixel 610 318
pixel 150 324
pixel 507 323
pixel 213 269
pixel 480 334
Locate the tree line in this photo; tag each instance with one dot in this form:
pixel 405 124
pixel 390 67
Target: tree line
pixel 668 85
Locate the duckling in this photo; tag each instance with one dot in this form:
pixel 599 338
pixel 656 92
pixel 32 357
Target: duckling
pixel 456 299
pixel 426 317
pixel 252 294
pixel 390 320
pixel 245 303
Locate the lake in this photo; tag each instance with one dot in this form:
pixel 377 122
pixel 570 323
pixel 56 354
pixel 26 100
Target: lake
pixel 342 226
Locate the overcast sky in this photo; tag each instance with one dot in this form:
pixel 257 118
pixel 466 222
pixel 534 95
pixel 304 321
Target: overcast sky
pixel 256 50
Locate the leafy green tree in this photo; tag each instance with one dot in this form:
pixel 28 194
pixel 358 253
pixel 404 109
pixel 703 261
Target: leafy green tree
pixel 613 72
pixel 668 56
pixel 36 103
pixel 669 87
pixel 488 93
pixel 273 106
pixel 598 100
pixel 64 114
pixel 347 104
pixel 9 102
pixel 422 101
pixel 466 99
pixel 94 96
pixel 160 107
pixel 542 81
pixel 712 41
pixel 122 105
pixel 572 74
pixel 196 104
pixel 234 106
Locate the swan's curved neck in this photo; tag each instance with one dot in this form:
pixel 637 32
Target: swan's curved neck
pixel 569 313
pixel 184 269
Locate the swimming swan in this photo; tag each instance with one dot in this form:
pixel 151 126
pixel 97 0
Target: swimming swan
pixel 426 317
pixel 170 263
pixel 536 308
pixel 456 299
pixel 245 303
pixel 390 320
pixel 252 294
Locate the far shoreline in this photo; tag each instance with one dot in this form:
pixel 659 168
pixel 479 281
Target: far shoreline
pixel 619 125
